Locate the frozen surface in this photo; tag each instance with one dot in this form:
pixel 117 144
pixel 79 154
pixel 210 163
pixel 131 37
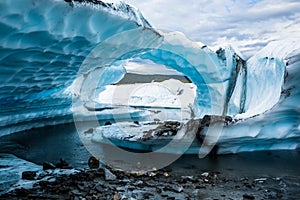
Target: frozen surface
pixel 167 94
pixel 278 126
pixel 56 60
pixel 265 76
pixel 11 171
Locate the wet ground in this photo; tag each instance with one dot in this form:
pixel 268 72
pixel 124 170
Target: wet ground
pixel 259 175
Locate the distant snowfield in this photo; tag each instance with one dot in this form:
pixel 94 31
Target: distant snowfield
pixel 167 94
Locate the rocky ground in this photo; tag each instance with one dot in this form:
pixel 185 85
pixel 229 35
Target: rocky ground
pixel 105 183
pixel 256 175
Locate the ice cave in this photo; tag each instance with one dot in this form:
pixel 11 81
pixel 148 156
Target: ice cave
pixel 49 59
pixel 140 90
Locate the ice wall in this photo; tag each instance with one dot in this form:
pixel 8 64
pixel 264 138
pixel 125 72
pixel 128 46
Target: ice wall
pixel 42 46
pixel 277 127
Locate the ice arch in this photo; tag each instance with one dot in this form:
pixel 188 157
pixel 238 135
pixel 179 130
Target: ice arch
pixel 43 45
pixel 170 49
pixel 174 51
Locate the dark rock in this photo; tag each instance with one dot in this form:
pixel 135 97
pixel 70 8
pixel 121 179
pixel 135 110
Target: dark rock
pixel 28 175
pixel 279 195
pixel 21 192
pixel 208 119
pixel 228 119
pixel 147 195
pixel 99 188
pixel 174 188
pixel 107 123
pixel 147 135
pixel 90 130
pixel 48 165
pixel 170 198
pixel 93 162
pixel 248 197
pixel 200 187
pixel 136 122
pixel 81 187
pixel 205 122
pixel 248 185
pixel 159 190
pixel 63 164
pixel 221 54
pixel 100 173
pixel 167 128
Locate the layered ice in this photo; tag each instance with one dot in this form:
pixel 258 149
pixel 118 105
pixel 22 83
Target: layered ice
pixel 276 124
pixel 58 60
pixel 42 46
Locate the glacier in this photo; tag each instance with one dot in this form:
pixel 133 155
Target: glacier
pixel 57 58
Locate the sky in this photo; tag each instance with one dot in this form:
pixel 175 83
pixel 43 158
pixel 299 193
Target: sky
pixel 246 24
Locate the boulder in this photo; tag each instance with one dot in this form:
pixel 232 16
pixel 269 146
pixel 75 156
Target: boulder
pixel 93 162
pixel 208 119
pixel 28 175
pixel 48 165
pixel 63 164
